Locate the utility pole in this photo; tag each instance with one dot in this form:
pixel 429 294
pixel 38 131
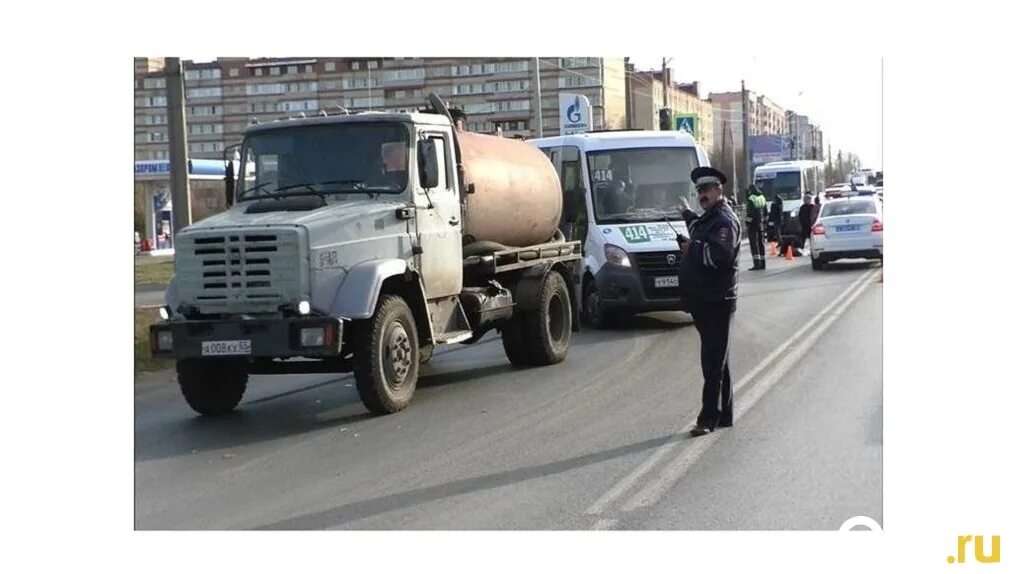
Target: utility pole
pixel 179 192
pixel 627 89
pixel 538 95
pixel 665 84
pixel 747 153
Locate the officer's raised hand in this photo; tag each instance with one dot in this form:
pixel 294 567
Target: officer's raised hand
pixel 682 204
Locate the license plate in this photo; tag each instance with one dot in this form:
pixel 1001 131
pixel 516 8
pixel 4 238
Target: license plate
pixel 845 228
pixel 667 281
pixel 242 347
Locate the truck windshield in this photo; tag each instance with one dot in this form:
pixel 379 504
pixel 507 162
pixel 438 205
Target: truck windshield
pixel 325 159
pixel 785 184
pixel 641 184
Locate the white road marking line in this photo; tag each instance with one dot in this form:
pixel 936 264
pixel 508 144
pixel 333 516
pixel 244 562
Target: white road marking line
pixel 657 488
pixel 625 484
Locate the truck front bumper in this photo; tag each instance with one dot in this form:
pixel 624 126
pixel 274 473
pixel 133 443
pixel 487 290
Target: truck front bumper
pixel 319 337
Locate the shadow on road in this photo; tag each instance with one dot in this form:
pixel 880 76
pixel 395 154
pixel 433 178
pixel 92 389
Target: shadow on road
pixel 851 265
pixel 291 413
pixel 269 418
pixel 364 509
pixel 431 377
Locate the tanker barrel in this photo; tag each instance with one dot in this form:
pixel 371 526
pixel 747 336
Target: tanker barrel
pixel 517 200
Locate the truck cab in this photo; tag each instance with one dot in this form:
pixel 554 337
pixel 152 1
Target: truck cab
pixel 620 196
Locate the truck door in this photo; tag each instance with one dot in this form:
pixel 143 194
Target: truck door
pixel 439 226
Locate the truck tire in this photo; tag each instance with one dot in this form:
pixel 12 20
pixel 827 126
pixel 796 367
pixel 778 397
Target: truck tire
pixel 212 386
pixel 514 343
pixel 594 314
pixel 386 357
pixel 547 330
pixel 817 264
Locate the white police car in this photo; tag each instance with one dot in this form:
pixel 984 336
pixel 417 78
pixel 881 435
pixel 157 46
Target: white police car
pixel 848 227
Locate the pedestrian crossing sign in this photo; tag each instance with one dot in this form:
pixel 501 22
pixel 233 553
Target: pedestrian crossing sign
pixel 687 124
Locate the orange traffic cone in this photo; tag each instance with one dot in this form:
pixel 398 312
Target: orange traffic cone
pixel 789 252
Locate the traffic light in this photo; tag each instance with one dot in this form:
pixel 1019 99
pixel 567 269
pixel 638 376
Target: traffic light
pixel 665 119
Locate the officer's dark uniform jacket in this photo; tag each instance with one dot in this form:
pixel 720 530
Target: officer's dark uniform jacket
pixel 708 274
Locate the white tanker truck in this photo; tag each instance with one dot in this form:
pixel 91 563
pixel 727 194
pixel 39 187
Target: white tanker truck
pixel 360 242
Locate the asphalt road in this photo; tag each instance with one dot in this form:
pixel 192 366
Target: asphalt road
pixel 599 441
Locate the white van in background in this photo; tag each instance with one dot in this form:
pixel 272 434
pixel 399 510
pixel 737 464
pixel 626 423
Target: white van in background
pixel 790 180
pixel 620 195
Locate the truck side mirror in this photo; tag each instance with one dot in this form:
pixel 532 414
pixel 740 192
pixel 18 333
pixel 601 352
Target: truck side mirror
pixel 229 184
pixel 428 164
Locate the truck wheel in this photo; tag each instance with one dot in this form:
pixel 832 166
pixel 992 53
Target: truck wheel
pixel 817 264
pixel 386 357
pixel 513 341
pixel 594 314
pixel 547 330
pixel 212 386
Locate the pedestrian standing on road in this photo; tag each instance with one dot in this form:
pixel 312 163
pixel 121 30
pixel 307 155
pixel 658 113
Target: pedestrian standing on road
pixel 806 217
pixel 755 218
pixel 776 220
pixel 708 277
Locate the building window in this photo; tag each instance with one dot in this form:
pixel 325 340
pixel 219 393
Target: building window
pixel 578 81
pixel 372 64
pixel 402 75
pixel 330 66
pixel 308 69
pixel 258 71
pixel 233 72
pixel 154 83
pixel 205 93
pixel 274 71
pixel 291 69
pixel 355 65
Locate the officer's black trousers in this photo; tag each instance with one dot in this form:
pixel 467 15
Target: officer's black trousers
pixel 713 323
pixel 756 238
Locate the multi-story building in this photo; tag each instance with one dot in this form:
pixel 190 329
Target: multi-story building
pixel 646 89
pixel 806 137
pixel 225 96
pixel 764 117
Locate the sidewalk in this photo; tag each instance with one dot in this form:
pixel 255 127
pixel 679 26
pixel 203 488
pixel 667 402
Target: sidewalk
pixel 149 295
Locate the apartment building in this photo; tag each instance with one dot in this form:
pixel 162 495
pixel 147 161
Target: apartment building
pixel 646 89
pixel 764 117
pixel 224 96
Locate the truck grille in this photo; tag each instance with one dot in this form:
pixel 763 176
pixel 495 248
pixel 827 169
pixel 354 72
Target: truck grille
pixel 657 264
pixel 239 270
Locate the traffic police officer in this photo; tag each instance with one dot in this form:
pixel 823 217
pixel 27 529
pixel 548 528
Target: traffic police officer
pixel 755 219
pixel 708 276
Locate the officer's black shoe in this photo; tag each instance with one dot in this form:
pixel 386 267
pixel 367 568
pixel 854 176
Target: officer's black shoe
pixel 725 424
pixel 700 431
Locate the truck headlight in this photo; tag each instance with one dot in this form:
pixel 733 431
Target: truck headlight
pixel 164 313
pixel 617 256
pixel 313 337
pixel 304 307
pixel 162 340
